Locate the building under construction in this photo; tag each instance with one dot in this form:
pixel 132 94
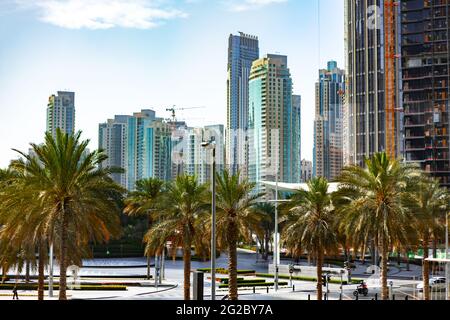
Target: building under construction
pixel 398 82
pixel 425 74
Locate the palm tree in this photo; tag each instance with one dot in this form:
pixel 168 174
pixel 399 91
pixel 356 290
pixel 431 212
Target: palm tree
pixel 370 203
pixel 77 196
pixel 144 201
pixel 234 218
pixel 311 223
pixel 428 202
pixel 266 214
pixel 181 220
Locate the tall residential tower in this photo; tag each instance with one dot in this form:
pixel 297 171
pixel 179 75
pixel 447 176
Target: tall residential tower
pixel 328 135
pixel 61 112
pixel 243 49
pixel 273 123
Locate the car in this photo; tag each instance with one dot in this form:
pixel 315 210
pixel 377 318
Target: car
pixel 436 283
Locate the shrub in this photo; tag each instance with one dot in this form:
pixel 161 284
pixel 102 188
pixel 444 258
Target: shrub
pixel 253 284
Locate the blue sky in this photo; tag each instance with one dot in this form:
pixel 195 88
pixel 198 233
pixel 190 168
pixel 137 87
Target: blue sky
pixel 120 56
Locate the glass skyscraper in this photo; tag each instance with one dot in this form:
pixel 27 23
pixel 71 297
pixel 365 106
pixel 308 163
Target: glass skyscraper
pixel 328 135
pixel 273 123
pixel 140 144
pixel 243 49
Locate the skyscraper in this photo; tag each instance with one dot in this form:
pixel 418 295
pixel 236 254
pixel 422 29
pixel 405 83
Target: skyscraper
pixel 328 138
pixel 61 112
pixel 243 49
pixel 365 71
pixel 197 160
pixel 273 123
pixel 425 58
pixel 140 144
pixel 112 138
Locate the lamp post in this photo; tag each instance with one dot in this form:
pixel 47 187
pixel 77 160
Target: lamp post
pixel 276 251
pixel 447 265
pixel 50 272
pixel 212 146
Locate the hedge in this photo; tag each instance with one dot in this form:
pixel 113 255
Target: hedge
pixel 305 278
pixel 242 281
pixel 10 286
pixel 253 284
pixel 225 271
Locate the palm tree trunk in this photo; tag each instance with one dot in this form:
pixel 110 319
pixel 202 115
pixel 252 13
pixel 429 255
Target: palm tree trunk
pixel 41 267
pixel 63 258
pixel 319 274
pixel 384 262
pixel 426 270
pixel 232 262
pixel 27 271
pixel 187 269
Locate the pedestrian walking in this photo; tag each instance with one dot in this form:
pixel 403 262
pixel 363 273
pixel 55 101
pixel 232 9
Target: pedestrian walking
pixel 15 295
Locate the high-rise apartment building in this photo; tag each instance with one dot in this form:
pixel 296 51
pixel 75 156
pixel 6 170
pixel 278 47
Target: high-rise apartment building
pixel 273 123
pixel 243 49
pixel 198 160
pixel 307 170
pixel 328 135
pixel 425 57
pixel 140 144
pixel 112 138
pixel 61 112
pixel 365 90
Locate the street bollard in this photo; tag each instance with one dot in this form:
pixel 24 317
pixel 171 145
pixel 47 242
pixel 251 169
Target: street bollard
pixel 309 297
pixel 293 288
pixel 406 298
pixel 376 296
pixel 393 297
pixel 325 297
pixel 267 289
pixel 340 296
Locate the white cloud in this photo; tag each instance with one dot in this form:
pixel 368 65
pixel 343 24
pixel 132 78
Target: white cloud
pixel 245 5
pixel 102 14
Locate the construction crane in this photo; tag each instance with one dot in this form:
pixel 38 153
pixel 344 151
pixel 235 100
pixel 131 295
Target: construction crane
pixel 174 110
pixel 390 43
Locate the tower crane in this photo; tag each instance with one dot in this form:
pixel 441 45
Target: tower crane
pixel 174 110
pixel 390 8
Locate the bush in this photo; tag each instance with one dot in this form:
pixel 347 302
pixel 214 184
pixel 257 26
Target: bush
pixel 225 271
pixel 255 284
pixel 305 278
pixel 89 287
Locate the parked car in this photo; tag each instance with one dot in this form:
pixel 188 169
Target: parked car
pixel 436 283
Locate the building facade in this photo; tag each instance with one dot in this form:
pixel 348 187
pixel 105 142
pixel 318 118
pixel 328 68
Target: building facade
pixel 243 49
pixel 307 170
pixel 425 75
pixel 61 113
pixel 197 160
pixel 140 144
pixel 112 138
pixel 273 123
pixel 328 124
pixel 365 90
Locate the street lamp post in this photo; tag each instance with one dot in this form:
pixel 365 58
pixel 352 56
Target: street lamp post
pixel 50 271
pixel 447 265
pixel 212 146
pixel 276 251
